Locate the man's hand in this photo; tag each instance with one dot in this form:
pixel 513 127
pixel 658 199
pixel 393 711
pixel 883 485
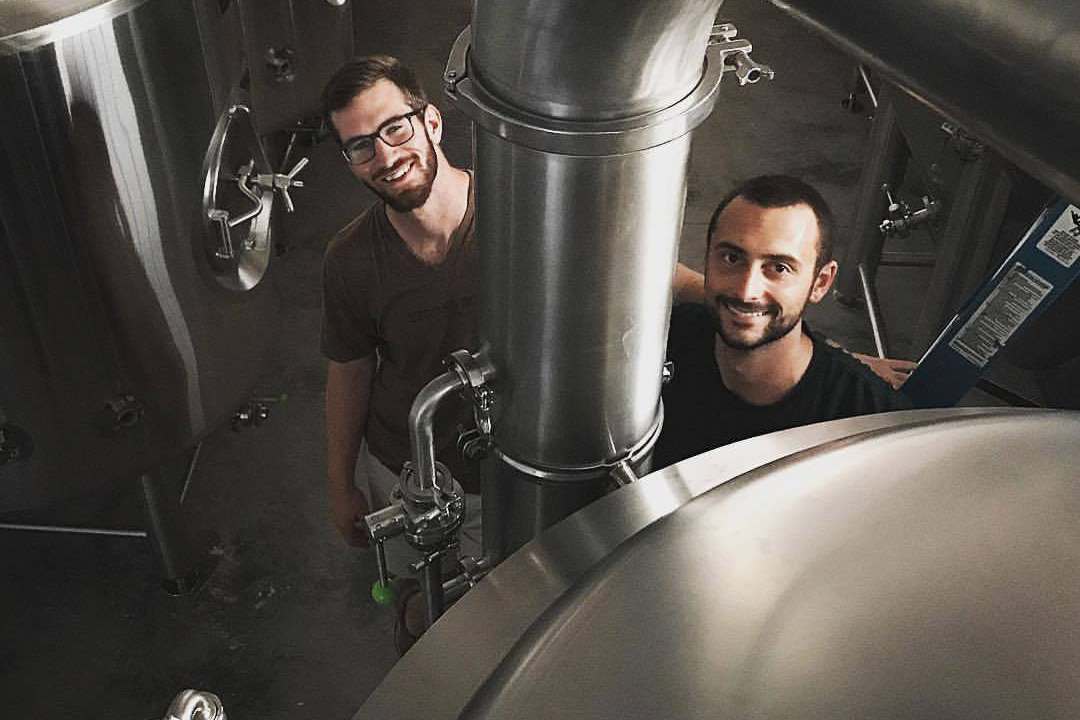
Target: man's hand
pixel 347 509
pixel 894 372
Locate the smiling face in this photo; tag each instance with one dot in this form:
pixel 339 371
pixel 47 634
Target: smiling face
pixel 760 272
pixel 404 175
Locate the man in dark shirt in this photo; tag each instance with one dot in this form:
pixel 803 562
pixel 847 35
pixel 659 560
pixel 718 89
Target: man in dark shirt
pixel 744 362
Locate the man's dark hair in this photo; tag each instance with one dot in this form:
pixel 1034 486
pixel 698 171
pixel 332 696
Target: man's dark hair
pixel 780 191
pixel 359 74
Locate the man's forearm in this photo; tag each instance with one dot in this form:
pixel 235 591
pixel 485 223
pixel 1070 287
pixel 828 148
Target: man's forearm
pixel 687 286
pixel 348 392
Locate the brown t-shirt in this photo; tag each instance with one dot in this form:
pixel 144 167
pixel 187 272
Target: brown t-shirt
pixel 378 297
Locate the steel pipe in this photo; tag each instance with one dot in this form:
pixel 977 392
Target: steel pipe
pixel 421 425
pixel 583 114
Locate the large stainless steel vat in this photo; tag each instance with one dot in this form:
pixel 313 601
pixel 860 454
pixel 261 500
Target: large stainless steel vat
pixel 125 338
pixel 923 564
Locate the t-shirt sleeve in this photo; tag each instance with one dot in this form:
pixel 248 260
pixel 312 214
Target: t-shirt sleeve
pixel 349 329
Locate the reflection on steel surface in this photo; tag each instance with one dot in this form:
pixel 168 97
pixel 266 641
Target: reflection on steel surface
pixel 914 564
pixel 105 291
pixel 29 24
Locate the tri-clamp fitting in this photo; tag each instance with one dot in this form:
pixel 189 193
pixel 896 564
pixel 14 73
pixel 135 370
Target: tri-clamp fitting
pixel 428 504
pixel 428 518
pixel 735 55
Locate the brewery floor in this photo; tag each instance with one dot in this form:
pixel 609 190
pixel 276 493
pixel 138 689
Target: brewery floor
pixel 282 624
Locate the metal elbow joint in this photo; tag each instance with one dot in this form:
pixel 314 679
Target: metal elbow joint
pixel 421 425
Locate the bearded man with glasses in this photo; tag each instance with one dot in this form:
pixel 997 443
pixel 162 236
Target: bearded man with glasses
pixel 399 287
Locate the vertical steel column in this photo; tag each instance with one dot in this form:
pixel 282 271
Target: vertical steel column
pixel 975 217
pixel 167 534
pixel 886 162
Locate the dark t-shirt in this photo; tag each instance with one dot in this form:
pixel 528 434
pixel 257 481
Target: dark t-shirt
pixel 378 297
pixel 700 413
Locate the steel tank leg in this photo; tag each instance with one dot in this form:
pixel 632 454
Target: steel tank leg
pixel 975 218
pixel 167 534
pixel 886 162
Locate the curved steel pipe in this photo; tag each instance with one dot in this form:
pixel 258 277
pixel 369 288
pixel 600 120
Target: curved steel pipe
pixel 421 424
pixel 1008 72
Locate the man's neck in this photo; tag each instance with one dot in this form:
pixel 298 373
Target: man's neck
pixel 765 375
pixel 427 230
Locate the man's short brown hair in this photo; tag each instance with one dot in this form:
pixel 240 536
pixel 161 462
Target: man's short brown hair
pixel 359 74
pixel 780 191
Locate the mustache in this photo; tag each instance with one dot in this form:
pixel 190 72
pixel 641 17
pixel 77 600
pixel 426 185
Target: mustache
pixel 740 306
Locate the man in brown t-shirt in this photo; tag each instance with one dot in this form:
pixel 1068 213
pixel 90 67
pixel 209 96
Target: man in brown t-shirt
pixel 399 285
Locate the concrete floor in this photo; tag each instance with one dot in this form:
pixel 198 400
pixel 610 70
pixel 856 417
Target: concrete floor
pixel 283 625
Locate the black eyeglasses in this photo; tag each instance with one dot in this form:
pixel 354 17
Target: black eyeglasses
pixel 395 131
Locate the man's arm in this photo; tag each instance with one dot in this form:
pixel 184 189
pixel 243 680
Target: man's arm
pixel 891 370
pixel 687 286
pixel 348 392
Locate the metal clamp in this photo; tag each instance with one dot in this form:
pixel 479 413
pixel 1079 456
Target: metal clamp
pixel 428 517
pixel 735 55
pixel 584 138
pixel 475 371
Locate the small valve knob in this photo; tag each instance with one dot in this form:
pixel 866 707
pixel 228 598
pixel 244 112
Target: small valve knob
pixel 385 593
pixel 895 209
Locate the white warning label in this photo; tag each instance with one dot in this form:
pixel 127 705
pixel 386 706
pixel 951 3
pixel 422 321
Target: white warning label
pixel 1062 240
pixel 1006 309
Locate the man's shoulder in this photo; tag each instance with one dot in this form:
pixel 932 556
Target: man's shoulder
pixel 850 381
pixel 689 322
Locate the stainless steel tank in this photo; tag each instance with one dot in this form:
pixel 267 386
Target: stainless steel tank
pixel 1008 73
pixel 922 564
pixel 130 326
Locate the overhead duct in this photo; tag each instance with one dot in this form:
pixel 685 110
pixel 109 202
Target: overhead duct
pixel 1007 72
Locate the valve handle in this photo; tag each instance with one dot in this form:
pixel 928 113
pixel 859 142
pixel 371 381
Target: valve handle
pixel 385 593
pixel 281 182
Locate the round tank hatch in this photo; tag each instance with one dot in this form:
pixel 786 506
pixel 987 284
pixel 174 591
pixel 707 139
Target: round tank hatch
pixel 237 207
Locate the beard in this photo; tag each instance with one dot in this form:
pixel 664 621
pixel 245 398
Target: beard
pixel 409 199
pixel 779 325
